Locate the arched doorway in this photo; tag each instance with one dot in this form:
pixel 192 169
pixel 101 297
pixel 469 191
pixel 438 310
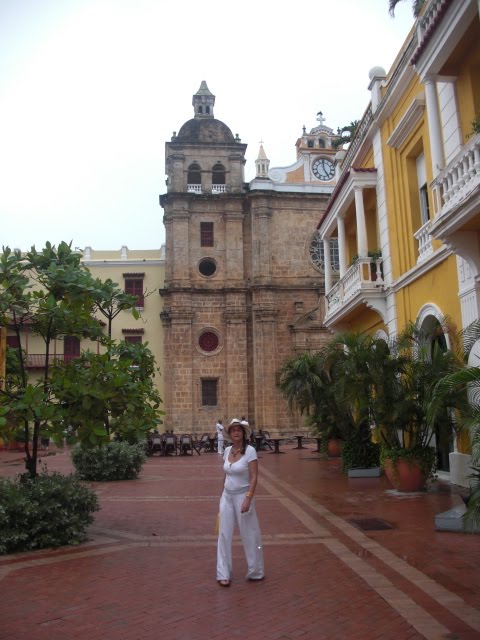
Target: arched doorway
pixel 430 322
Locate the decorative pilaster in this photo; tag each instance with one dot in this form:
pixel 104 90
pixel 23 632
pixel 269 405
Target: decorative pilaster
pixel 234 247
pixel 434 126
pixel 362 244
pixel 265 348
pixel 342 246
pixel 236 359
pixel 262 269
pixel 179 389
pixel 327 264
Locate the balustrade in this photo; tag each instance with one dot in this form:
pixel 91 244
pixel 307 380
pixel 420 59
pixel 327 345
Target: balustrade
pixel 366 274
pixel 425 247
pixel 459 178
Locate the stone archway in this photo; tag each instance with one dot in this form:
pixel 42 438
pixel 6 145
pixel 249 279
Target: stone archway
pixel 431 320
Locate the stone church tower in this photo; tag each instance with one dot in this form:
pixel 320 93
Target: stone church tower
pixel 242 290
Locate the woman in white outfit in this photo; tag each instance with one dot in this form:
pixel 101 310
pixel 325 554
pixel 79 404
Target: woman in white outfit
pixel 237 506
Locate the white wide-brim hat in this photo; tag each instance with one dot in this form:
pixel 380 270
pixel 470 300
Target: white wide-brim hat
pixel 243 424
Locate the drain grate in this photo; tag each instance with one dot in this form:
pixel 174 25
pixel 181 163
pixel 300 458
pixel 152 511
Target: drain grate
pixel 370 524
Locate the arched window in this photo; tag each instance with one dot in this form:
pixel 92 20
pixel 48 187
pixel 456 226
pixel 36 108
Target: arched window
pixel 194 174
pixel 200 109
pixel 430 319
pixel 218 174
pixel 321 143
pixel 317 254
pixel 207 109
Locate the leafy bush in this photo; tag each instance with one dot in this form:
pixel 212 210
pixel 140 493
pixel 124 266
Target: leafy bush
pixel 48 511
pixel 113 461
pixel 360 454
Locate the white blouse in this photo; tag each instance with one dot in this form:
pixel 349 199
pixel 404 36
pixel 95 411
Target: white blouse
pixel 236 473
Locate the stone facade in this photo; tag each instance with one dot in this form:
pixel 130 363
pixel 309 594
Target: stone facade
pixel 241 294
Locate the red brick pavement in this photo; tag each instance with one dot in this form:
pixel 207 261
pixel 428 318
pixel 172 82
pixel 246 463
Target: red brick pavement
pixel 148 571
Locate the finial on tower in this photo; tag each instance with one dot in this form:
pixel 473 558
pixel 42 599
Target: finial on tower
pixel 203 102
pixel 262 163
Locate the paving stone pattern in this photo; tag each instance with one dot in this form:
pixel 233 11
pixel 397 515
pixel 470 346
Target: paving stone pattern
pixel 148 570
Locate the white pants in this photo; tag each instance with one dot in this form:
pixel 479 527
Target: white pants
pixel 230 513
pixel 220 444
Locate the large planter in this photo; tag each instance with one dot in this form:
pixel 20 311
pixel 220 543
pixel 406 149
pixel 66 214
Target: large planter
pixel 334 449
pixel 405 475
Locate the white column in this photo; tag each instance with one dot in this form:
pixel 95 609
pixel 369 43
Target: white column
pixel 342 246
pixel 434 126
pixel 362 244
pixel 327 264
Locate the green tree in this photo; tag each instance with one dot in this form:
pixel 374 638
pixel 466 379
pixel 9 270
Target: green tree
pixel 110 300
pixel 416 6
pixel 361 383
pixel 113 392
pixel 346 133
pixel 306 382
pixel 50 294
pixel 466 381
pixel 423 360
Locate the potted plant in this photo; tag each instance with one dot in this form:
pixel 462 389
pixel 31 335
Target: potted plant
pixel 475 126
pixel 329 435
pixel 466 380
pixel 374 256
pixel 356 362
pixel 407 423
pixel 306 383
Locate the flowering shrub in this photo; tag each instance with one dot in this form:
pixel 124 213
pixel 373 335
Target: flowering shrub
pixel 48 511
pixel 113 461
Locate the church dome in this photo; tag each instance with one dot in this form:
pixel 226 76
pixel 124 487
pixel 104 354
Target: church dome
pixel 205 131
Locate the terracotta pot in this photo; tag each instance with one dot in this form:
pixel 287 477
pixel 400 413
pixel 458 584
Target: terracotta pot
pixel 333 448
pixel 405 475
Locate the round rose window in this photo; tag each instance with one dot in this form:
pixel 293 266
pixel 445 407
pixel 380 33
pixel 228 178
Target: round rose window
pixel 207 267
pixel 208 341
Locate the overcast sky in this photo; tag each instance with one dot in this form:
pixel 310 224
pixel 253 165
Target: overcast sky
pixel 90 90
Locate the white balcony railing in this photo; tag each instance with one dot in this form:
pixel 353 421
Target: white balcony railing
pixel 363 276
pixel 197 188
pixel 430 17
pixel 459 179
pixel 425 247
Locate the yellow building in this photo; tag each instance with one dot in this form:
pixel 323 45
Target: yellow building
pixel 139 273
pixel 406 208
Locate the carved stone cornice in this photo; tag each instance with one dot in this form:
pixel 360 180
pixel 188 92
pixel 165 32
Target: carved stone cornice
pixel 176 316
pixel 265 314
pixel 233 316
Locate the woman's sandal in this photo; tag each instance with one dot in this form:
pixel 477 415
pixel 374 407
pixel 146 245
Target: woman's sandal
pixel 224 583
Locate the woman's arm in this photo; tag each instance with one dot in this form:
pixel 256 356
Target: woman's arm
pixel 253 477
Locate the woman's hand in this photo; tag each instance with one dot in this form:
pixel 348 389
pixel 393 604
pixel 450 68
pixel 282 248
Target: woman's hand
pixel 246 504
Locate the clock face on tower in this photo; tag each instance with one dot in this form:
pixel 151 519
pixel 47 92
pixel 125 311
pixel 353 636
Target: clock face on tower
pixel 323 169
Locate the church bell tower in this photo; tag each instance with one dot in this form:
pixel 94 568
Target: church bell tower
pixel 205 315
